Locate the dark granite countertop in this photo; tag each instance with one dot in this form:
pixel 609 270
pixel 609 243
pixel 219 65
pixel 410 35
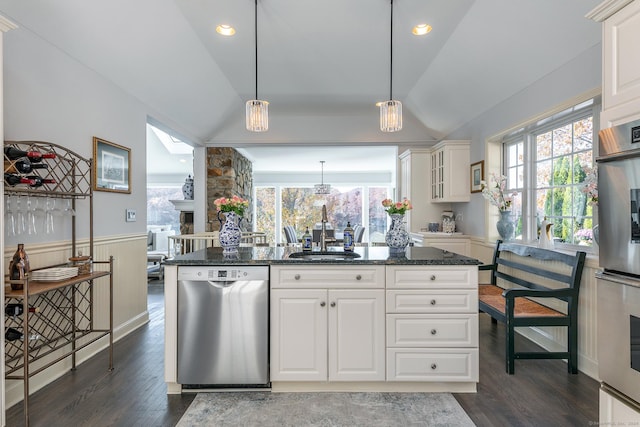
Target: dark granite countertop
pixel 378 255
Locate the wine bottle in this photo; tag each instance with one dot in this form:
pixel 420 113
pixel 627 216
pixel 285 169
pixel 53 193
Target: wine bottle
pixel 23 165
pixel 42 156
pixel 17 309
pixel 12 334
pixel 38 181
pixel 13 180
pixel 13 153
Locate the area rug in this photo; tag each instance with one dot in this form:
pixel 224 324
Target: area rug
pixel 324 409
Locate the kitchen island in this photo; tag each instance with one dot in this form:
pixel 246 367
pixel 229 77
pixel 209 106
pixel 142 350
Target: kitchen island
pixel 379 322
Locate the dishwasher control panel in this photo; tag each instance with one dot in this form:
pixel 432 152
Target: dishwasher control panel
pixel 223 273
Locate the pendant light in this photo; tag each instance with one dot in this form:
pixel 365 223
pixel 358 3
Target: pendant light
pixel 322 188
pixel 391 110
pixel 257 110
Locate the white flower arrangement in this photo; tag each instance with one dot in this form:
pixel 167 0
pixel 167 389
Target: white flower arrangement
pixel 496 194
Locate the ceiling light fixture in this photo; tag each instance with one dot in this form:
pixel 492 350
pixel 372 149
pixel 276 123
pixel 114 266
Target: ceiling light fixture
pixel 225 30
pixel 322 188
pixel 257 110
pixel 391 110
pixel 421 29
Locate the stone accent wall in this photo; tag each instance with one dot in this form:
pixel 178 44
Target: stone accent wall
pixel 229 174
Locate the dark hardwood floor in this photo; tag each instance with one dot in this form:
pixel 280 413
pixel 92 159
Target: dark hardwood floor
pixel 541 393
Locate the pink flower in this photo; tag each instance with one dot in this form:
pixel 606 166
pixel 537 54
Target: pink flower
pixel 397 207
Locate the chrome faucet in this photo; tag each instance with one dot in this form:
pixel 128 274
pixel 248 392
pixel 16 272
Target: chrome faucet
pixel 323 233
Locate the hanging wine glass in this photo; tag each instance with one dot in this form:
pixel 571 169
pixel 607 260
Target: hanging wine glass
pixel 10 219
pixel 68 209
pixel 48 216
pixel 21 221
pixel 31 217
pixel 39 214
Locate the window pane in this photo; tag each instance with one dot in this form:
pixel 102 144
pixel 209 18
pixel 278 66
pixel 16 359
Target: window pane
pixel 562 140
pixel 160 211
pixel 543 174
pixel 543 146
pixel 266 212
pixel 584 163
pixel 377 215
pixel 513 154
pixel 302 208
pixel 583 134
pixel 561 170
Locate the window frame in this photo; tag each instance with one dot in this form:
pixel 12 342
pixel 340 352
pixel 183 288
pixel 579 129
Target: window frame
pixel 527 135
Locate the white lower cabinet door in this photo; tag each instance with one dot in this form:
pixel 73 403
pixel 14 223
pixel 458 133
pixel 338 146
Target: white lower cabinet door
pixel 356 335
pixel 298 335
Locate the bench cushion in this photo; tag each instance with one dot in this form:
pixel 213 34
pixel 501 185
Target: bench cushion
pixel 491 295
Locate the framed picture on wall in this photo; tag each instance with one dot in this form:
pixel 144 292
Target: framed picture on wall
pixel 111 171
pixel 477 176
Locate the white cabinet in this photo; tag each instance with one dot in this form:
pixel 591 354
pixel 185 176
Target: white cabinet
pixel 414 179
pixel 620 63
pixel 460 246
pixel 450 172
pixel 328 327
pixel 432 323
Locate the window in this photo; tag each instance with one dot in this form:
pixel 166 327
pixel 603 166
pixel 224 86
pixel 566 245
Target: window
pixel 300 207
pixel 546 165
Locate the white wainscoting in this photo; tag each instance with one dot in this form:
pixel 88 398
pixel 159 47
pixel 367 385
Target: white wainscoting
pixel 129 297
pixel 555 338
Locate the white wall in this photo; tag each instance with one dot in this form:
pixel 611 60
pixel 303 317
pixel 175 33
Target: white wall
pixel 579 75
pixel 48 96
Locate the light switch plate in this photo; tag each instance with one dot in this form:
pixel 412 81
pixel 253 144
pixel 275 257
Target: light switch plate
pixel 131 215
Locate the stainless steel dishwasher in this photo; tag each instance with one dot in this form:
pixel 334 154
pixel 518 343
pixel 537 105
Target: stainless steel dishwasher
pixel 223 326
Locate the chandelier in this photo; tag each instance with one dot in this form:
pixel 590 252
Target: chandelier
pixel 322 188
pixel 257 111
pixel 391 110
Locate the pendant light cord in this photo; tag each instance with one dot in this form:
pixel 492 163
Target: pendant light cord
pixel 256 40
pixel 391 55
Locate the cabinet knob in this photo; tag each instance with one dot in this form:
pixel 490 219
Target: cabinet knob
pixel 297 277
pixel 433 277
pixel 433 332
pixel 358 277
pixel 333 304
pixel 322 304
pixel 434 366
pixel 433 302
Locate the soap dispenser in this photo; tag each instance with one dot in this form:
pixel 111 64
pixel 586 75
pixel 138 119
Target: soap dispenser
pixel 348 238
pixel 306 240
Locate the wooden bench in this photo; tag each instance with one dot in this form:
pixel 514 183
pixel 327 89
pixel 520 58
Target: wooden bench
pixel 519 273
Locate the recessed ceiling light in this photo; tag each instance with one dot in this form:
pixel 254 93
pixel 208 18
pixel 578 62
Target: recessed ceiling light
pixel 421 29
pixel 225 30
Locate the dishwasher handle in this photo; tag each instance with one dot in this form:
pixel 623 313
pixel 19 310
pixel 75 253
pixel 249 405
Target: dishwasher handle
pixel 221 284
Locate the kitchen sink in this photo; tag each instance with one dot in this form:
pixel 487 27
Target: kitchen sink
pixel 325 255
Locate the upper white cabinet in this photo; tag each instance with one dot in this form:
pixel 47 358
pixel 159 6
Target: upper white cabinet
pixel 450 172
pixel 621 66
pixel 415 166
pixel 620 63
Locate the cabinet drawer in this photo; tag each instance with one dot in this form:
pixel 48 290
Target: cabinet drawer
pixel 432 277
pixel 432 301
pixel 437 330
pixel 327 277
pixel 432 364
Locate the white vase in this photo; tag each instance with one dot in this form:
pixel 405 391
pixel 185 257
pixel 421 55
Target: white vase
pixel 397 238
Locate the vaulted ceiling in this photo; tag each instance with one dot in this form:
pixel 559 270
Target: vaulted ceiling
pixel 322 64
